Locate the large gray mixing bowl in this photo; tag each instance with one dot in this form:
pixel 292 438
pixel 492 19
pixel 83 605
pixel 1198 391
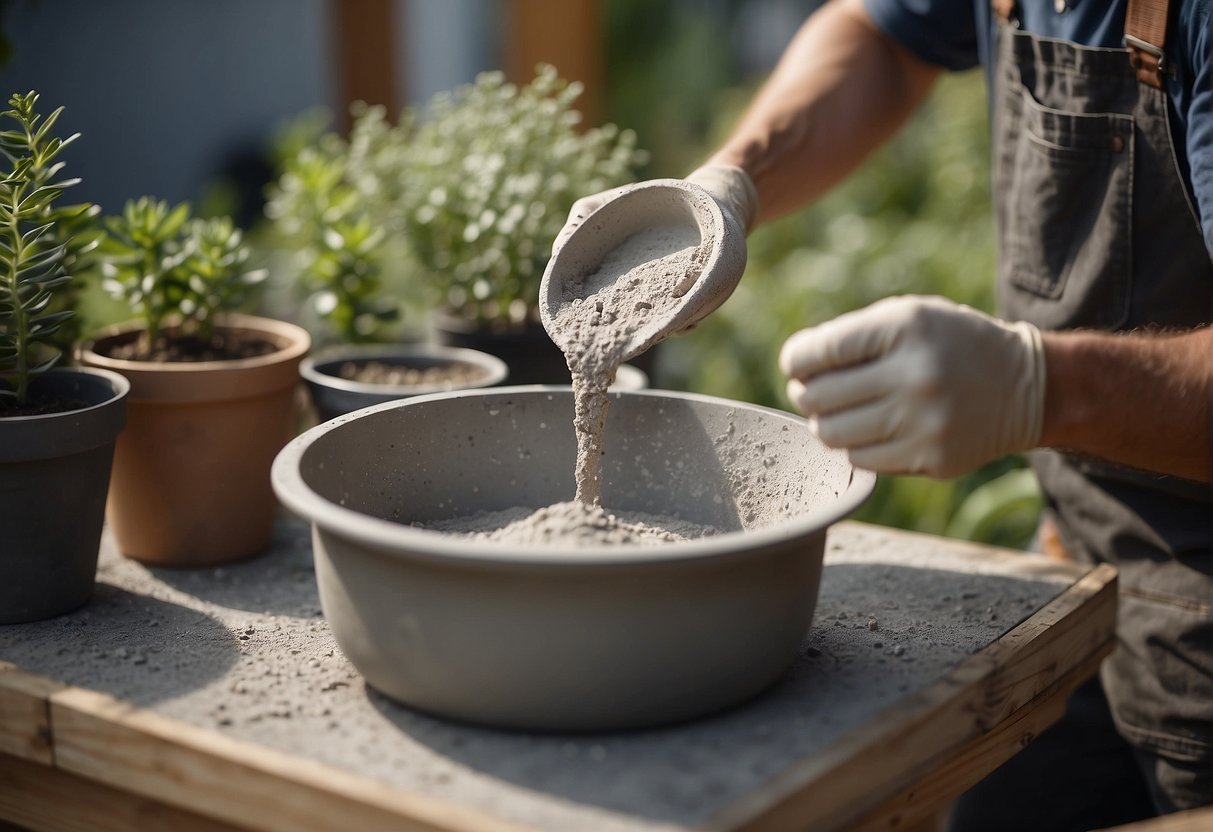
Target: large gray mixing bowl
pixel 560 638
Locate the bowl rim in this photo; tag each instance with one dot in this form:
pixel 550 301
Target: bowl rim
pixel 401 540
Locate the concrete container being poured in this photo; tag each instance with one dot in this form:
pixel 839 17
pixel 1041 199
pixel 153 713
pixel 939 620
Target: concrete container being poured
pixel 564 637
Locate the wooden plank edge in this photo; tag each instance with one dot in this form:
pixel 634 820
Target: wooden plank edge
pixel 235 781
pixel 25 722
pixel 838 782
pixel 961 771
pixel 44 799
pixel 1080 622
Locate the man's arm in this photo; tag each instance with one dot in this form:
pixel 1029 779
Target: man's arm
pixel 841 88
pixel 1141 400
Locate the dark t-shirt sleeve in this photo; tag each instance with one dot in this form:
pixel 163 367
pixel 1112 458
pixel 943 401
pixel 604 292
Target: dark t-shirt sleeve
pixel 1196 119
pixel 941 32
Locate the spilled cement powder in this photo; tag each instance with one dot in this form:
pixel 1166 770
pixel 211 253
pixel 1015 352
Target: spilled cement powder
pixel 636 285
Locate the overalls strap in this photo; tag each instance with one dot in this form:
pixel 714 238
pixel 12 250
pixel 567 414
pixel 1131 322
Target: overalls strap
pixel 1145 36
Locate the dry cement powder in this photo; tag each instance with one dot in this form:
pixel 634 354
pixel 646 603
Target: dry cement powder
pixel 637 283
pixel 575 524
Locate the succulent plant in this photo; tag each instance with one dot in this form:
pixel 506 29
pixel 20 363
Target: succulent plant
pixel 175 270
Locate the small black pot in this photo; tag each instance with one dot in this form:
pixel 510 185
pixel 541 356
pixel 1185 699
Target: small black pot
pixel 54 476
pixel 334 396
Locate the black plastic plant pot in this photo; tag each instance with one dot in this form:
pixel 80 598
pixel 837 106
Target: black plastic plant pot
pixel 54 475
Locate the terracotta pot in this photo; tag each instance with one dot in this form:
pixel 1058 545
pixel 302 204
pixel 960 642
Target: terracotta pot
pixel 191 483
pixel 54 472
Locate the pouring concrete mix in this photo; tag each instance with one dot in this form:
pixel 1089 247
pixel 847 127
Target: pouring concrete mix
pixel 541 631
pixel 638 287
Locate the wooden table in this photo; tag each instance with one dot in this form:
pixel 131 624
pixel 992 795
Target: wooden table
pixel 216 699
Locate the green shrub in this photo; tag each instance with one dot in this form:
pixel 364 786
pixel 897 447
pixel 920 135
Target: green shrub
pixel 468 193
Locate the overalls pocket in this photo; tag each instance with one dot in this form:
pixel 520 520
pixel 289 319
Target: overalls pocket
pixel 1065 238
pixel 1160 678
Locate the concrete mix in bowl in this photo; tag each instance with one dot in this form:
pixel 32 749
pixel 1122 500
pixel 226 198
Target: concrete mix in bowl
pixel 567 636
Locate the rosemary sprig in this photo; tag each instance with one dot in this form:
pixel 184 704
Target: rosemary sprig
pixel 34 247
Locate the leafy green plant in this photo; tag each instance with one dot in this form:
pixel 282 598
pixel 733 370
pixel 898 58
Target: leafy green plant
pixel 469 192
pixel 328 207
pixel 489 175
pixel 175 272
pixel 38 240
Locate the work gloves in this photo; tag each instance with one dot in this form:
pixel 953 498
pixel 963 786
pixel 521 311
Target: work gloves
pixel 733 190
pixel 919 385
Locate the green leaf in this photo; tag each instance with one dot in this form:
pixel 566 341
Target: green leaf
pixel 39 369
pixel 48 322
pixel 172 224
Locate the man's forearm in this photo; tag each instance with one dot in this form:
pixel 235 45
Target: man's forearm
pixel 840 90
pixel 1140 400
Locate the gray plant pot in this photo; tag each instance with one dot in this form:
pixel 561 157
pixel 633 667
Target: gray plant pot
pixel 334 396
pixel 562 638
pixel 54 475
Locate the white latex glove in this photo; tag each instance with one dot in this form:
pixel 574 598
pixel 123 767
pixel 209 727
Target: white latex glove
pixel 730 186
pixel 919 385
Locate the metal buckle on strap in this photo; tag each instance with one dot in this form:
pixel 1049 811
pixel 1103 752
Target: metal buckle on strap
pixel 1150 49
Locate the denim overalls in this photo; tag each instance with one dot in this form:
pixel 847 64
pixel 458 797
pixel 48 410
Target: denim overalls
pixel 1096 231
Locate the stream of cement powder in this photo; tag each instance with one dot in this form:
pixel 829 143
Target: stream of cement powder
pixel 637 284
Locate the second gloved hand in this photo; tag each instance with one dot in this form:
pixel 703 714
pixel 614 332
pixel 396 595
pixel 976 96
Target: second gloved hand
pixel 919 385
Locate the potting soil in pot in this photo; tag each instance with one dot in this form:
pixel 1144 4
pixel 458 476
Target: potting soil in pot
pixel 443 376
pixel 637 283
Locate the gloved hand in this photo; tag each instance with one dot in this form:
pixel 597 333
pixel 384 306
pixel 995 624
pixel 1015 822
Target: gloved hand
pixel 730 186
pixel 919 385
pixel 733 190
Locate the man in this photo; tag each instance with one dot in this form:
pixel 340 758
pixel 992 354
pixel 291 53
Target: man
pixel 1103 183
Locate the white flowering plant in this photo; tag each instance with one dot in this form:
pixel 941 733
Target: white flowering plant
pixel 488 176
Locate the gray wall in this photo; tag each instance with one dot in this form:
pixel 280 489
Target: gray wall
pixel 168 93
